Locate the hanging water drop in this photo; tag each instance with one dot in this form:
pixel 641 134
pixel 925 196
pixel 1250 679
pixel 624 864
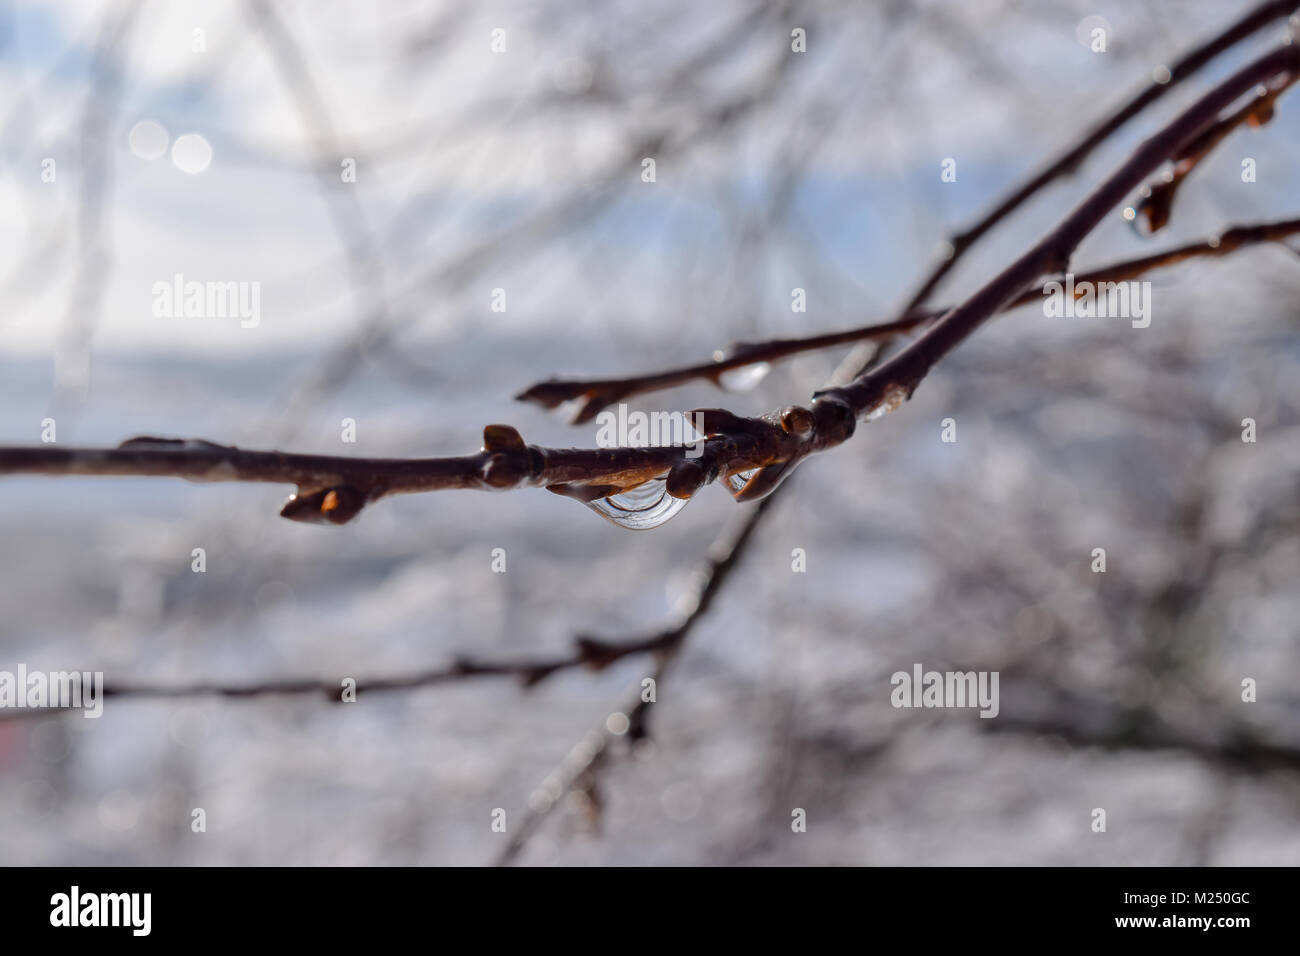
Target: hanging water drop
pixel 744 378
pixel 644 507
pixel 741 478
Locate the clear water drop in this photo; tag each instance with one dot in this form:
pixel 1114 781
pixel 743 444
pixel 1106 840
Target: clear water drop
pixel 644 507
pixel 741 478
pixel 744 378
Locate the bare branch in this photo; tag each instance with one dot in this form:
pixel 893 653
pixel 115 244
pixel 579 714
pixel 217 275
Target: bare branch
pixel 885 387
pixel 588 652
pixel 334 489
pixel 1157 204
pixel 1249 24
pixel 594 395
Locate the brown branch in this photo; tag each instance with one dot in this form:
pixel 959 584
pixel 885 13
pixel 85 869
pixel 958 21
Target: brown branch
pixel 1157 204
pixel 595 395
pixel 1250 23
pixel 334 489
pixel 588 652
pixel 888 385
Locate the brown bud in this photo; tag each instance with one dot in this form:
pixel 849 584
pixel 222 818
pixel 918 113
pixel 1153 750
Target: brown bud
pixel 583 493
pixel 337 505
pixel 690 475
pixel 502 438
pixel 797 420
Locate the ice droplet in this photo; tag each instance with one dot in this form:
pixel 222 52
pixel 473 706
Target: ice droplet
pixel 741 478
pixel 744 378
pixel 894 397
pixel 644 507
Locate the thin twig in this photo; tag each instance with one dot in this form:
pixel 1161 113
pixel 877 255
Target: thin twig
pixel 1156 206
pixel 892 382
pixel 588 652
pixel 1249 24
pixel 595 395
pixel 593 751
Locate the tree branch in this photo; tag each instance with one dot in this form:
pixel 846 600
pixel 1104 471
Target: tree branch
pixel 588 652
pixel 1158 200
pixel 597 394
pixel 886 386
pixel 1249 24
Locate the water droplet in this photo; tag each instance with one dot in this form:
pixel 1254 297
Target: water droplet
pixel 1149 216
pixel 644 507
pixel 741 478
pixel 744 378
